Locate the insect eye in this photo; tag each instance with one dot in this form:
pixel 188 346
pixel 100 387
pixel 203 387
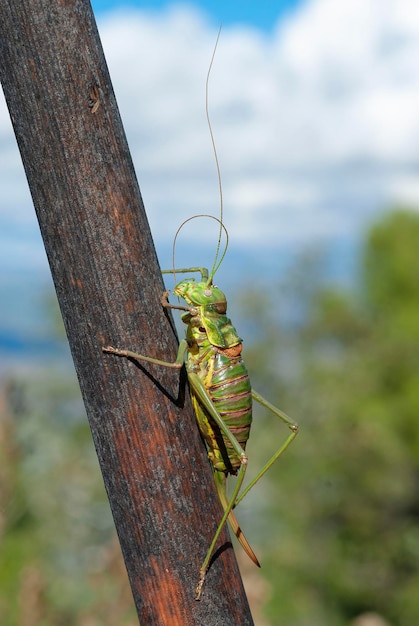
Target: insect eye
pixel 207 292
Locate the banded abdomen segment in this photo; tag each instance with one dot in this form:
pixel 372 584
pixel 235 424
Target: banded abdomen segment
pixel 227 383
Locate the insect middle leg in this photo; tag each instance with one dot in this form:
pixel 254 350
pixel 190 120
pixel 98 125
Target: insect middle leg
pixel 177 364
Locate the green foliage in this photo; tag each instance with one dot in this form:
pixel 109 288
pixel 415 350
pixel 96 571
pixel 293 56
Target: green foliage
pixel 345 513
pixel 390 279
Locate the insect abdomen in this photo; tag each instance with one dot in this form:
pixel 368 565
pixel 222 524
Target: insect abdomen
pixel 230 391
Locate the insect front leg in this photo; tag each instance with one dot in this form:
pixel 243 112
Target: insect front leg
pixel 189 270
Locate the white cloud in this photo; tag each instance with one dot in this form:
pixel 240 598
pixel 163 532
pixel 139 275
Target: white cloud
pixel 316 125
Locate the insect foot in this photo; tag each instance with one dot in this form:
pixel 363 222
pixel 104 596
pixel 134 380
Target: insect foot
pixel 110 350
pixel 198 590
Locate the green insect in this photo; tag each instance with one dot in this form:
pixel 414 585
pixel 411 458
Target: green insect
pixel 218 381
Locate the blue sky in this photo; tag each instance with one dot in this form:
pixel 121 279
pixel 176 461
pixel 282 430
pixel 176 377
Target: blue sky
pixel 314 111
pixel 259 14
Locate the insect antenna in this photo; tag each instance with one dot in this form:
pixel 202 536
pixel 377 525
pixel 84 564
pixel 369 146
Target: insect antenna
pixel 201 269
pixel 216 263
pixel 217 259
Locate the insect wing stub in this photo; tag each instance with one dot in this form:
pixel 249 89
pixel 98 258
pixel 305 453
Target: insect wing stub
pixel 220 330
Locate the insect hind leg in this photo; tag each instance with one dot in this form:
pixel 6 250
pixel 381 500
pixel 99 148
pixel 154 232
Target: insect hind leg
pixel 227 511
pixel 292 425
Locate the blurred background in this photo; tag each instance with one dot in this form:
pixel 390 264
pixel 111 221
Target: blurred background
pixel 314 106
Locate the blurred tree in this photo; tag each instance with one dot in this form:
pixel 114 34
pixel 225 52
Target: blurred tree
pixel 345 496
